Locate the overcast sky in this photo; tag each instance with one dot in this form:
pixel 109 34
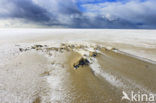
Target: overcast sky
pixel 78 13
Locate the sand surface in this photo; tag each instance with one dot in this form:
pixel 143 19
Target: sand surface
pixel 38 65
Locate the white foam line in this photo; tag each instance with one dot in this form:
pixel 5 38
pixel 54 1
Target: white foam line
pixel 110 78
pixel 113 80
pixel 97 69
pixel 57 84
pixel 55 81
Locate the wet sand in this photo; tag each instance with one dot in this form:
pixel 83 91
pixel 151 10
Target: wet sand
pixel 40 70
pixel 89 88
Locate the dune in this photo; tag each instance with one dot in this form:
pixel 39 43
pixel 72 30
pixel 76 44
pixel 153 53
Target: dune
pixel 75 66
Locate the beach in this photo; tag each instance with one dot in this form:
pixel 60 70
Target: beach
pixel 76 65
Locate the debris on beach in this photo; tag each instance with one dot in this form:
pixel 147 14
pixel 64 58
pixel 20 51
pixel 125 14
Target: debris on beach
pixel 93 54
pixel 82 62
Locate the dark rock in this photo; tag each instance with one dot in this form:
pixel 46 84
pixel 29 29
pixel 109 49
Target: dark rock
pixel 76 66
pixel 81 62
pixel 114 49
pixel 38 46
pixel 20 49
pixel 93 54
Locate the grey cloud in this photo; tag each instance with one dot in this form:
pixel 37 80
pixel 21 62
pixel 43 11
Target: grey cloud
pixel 65 13
pixel 25 9
pixel 31 11
pixel 137 14
pixel 28 10
pixel 100 22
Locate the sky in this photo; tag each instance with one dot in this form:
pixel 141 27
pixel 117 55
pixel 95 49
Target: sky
pixel 111 14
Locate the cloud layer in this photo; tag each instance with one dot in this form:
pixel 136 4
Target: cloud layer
pixel 79 13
